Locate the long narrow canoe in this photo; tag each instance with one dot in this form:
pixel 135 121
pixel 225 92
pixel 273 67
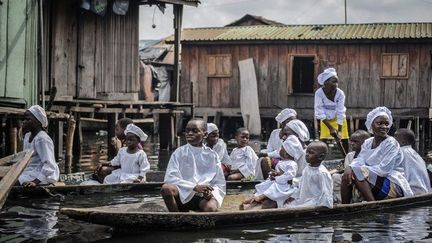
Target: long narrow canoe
pixel 155 179
pixel 10 168
pixel 131 218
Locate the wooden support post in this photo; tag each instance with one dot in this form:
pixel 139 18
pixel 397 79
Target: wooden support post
pixel 164 131
pixel 422 137
pixel 69 145
pixel 56 133
pixel 178 15
pixel 217 118
pixel 192 99
pixel 77 141
pixel 351 125
pixel 417 127
pixel 409 124
pixel 112 119
pixel 357 122
pixel 14 139
pixel 316 131
pixel 8 144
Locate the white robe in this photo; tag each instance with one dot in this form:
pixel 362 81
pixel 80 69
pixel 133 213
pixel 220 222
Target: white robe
pixel 326 109
pixel 131 167
pixel 278 189
pixel 43 165
pixel 315 189
pixel 274 144
pixel 415 171
pixel 190 166
pixel 245 160
pixel 385 160
pixel 221 149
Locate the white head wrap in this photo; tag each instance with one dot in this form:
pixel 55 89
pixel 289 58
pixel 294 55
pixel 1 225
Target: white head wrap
pixel 131 128
pixel 379 111
pixel 326 74
pixel 39 113
pixel 211 127
pixel 300 129
pixel 293 147
pixel 285 114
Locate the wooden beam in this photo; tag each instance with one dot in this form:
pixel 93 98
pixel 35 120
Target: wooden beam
pixel 178 15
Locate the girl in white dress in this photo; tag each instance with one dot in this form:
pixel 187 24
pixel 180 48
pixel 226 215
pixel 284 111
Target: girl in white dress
pixel 42 168
pixel 132 160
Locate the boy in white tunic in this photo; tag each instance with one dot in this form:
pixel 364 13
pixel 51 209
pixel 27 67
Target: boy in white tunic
pixel 316 187
pixel 42 168
pixel 218 145
pixel 194 179
pixel 274 191
pixel 415 167
pixel 132 160
pixel 243 158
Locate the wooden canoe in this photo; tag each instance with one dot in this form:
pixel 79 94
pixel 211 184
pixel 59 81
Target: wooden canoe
pixel 11 168
pixel 131 218
pixel 155 179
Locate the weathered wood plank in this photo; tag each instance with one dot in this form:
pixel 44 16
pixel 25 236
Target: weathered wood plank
pixel 185 77
pixel 263 75
pixel 273 70
pixel 352 76
pixel 215 84
pixel 373 99
pixel 86 58
pixel 249 97
pixel 193 69
pixel 3 45
pixel 425 75
pixel 413 81
pixel 404 95
pixel 234 86
pixel 281 82
pixel 364 76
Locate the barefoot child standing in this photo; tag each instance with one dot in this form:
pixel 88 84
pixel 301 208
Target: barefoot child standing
pixel 243 158
pixel 194 179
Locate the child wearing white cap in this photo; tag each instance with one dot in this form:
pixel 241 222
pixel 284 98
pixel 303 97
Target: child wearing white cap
pixel 218 145
pixel 132 160
pixel 42 168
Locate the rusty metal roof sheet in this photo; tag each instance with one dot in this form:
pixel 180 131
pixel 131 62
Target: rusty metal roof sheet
pixel 373 31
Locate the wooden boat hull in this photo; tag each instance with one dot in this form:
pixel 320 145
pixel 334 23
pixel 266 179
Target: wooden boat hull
pixel 114 188
pixel 130 221
pixel 11 168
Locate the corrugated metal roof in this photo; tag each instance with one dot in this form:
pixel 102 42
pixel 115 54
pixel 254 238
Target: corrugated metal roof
pixel 373 31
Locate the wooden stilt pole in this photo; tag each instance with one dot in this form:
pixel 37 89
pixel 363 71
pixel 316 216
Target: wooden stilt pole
pixel 69 145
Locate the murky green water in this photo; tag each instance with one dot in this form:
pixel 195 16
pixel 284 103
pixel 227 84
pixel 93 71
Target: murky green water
pixel 27 219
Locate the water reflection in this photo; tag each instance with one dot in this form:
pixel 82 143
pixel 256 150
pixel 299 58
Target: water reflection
pixel 39 219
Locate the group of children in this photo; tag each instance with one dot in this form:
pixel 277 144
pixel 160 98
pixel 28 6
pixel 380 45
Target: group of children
pixel 379 167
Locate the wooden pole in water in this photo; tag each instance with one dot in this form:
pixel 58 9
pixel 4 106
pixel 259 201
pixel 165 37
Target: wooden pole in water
pixel 69 145
pixel 14 139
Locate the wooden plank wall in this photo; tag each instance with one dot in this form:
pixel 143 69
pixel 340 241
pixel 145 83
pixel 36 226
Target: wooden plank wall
pixel 358 66
pixel 92 54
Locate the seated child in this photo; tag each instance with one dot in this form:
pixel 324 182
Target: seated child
pixel 316 186
pixel 117 142
pixel 356 140
pixel 415 167
pixel 42 168
pixel 274 191
pixel 218 145
pixel 194 179
pixel 132 160
pixel 243 158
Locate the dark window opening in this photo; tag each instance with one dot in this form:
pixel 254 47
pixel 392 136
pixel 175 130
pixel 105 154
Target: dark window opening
pixel 303 75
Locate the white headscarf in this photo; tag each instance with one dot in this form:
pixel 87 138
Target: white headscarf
pixel 300 129
pixel 293 147
pixel 211 127
pixel 379 111
pixel 131 128
pixel 285 114
pixel 39 113
pixel 326 74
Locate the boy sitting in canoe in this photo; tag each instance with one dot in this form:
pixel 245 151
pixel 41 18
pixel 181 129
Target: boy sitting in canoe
pixel 356 140
pixel 42 168
pixel 218 145
pixel 274 191
pixel 243 158
pixel 316 186
pixel 194 179
pixel 132 160
pixel 415 167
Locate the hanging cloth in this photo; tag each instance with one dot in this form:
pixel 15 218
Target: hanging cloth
pixel 99 7
pixel 120 7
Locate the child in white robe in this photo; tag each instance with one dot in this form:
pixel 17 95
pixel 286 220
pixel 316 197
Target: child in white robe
pixel 243 158
pixel 356 140
pixel 42 168
pixel 132 160
pixel 415 167
pixel 316 187
pixel 194 178
pixel 218 145
pixel 270 156
pixel 274 191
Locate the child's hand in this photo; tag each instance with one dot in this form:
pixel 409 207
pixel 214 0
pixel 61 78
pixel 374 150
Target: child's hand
pixel 208 195
pixel 203 189
pixel 31 183
pixel 272 174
